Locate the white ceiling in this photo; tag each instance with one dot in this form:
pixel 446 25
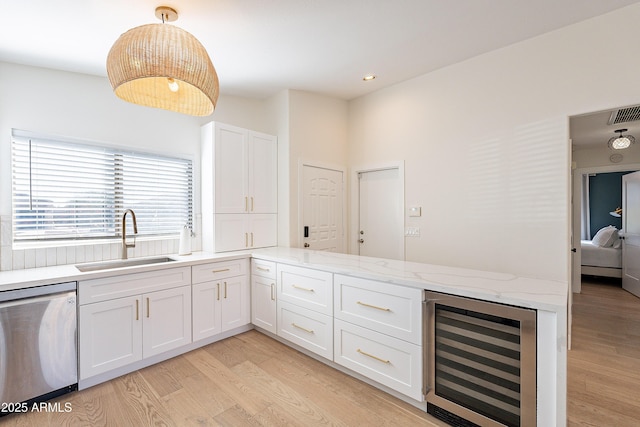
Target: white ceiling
pixel 260 47
pixel 594 131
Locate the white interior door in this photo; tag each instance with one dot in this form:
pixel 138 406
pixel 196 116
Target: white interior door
pixel 631 233
pixel 322 207
pixel 381 220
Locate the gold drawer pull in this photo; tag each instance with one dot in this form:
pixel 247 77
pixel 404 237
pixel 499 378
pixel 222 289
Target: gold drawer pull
pixel 225 290
pixel 374 357
pixel 148 308
pixel 137 309
pixel 218 288
pixel 262 268
pixel 273 297
pixel 373 306
pixel 220 271
pixel 303 329
pixel 302 288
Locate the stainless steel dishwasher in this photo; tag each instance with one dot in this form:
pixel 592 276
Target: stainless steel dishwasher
pixel 38 343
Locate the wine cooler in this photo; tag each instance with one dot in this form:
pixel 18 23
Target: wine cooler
pixel 480 362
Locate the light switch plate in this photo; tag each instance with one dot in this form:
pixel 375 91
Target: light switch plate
pixel 412 232
pixel 415 211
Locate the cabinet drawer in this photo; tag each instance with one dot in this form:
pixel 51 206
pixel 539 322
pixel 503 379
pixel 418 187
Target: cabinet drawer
pixel 306 328
pixel 390 309
pixel 263 268
pixel 107 288
pixel 392 362
pixel 311 289
pixel 218 270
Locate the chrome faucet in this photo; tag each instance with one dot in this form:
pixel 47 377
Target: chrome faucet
pixel 124 232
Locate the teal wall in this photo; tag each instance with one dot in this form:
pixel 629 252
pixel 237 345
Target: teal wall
pixel 605 194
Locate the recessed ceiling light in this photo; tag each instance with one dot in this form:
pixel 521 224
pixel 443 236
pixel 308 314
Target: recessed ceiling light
pixel 369 77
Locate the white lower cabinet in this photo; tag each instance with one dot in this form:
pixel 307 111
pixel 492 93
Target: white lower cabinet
pixel 394 363
pixel 115 333
pixel 263 295
pixel 222 304
pixel 306 328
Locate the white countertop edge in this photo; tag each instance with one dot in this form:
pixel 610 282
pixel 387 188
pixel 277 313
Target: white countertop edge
pixel 496 287
pixel 489 286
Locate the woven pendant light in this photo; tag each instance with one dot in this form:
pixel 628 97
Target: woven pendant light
pixel 163 66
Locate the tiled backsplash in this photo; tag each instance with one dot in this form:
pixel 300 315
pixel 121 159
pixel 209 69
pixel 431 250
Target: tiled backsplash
pixel 19 259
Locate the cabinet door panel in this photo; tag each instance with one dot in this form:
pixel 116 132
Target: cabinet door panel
pixel 231 178
pixel 391 309
pixel 235 296
pixel 263 173
pixel 206 310
pixel 264 230
pixel 167 320
pixel 390 361
pixel 110 335
pixel 263 302
pixel 231 232
pixel 305 287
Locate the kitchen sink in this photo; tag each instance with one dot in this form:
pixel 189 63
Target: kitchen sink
pixel 108 265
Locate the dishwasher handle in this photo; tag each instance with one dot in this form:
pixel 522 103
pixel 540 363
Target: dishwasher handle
pixel 37 291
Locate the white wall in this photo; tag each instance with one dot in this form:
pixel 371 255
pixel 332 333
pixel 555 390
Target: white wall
pixel 318 132
pixel 485 144
pixel 84 107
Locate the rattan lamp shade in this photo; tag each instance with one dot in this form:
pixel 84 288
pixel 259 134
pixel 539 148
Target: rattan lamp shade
pixel 143 59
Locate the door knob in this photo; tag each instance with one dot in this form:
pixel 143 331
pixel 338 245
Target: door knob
pixel 306 245
pixel 361 231
pixel 361 240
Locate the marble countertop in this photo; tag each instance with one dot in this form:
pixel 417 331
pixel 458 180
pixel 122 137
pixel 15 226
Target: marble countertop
pixel 496 287
pixel 31 277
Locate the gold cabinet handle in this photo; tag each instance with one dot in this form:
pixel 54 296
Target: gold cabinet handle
pixel 252 239
pixel 246 209
pixel 309 331
pixel 148 307
pixel 373 306
pixel 385 361
pixel 225 290
pixel 302 288
pixel 273 287
pixel 251 203
pixel 218 286
pixel 262 268
pixel 246 240
pixel 137 309
pixel 220 271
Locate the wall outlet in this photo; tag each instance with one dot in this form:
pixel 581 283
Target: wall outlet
pixel 412 232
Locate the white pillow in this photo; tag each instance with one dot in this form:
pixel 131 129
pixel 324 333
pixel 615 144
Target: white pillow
pixel 605 236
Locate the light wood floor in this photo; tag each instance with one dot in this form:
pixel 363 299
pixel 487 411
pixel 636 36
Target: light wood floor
pixel 254 380
pixel 247 380
pixel 604 362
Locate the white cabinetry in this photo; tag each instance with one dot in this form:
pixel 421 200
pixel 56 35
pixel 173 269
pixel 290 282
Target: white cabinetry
pixel 221 297
pixel 239 188
pixel 263 294
pixel 305 308
pixel 378 332
pixel 123 319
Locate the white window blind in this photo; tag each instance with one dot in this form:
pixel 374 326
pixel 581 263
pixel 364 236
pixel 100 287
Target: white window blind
pixel 68 190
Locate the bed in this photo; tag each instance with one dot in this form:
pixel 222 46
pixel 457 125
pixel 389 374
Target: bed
pixel 601 261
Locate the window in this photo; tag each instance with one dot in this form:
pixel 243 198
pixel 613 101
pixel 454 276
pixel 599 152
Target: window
pixel 66 190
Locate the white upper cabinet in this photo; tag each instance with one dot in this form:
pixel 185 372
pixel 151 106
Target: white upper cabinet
pixel 239 170
pixel 239 188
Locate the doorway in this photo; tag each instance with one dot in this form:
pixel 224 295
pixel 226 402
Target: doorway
pixel 380 212
pixel 322 208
